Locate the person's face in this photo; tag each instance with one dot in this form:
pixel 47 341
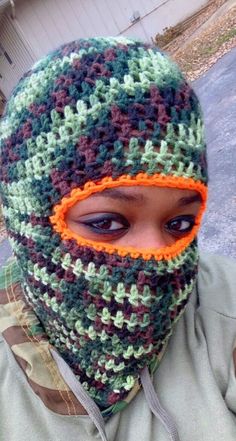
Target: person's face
pixel 135 216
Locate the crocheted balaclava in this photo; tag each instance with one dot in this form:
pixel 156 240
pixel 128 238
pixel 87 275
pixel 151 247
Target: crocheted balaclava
pixel 97 114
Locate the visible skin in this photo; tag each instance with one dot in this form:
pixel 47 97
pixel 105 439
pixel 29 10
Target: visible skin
pixel 136 216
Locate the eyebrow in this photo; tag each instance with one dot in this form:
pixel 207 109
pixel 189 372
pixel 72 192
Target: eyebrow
pixel 120 195
pixel 139 198
pixel 189 200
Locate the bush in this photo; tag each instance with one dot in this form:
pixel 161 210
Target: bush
pixel 169 34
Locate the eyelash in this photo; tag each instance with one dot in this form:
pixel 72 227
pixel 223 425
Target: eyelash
pixel 93 223
pixel 183 218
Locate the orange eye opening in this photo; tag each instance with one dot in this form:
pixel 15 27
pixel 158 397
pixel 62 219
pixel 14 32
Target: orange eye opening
pixel 58 219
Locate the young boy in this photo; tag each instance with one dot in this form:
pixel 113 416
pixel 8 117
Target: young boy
pixel 107 307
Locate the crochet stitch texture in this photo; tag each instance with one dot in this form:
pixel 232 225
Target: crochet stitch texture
pixel 91 112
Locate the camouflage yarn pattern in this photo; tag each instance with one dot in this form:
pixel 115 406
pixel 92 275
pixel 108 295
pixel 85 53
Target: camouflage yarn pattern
pixel 95 108
pixel 109 316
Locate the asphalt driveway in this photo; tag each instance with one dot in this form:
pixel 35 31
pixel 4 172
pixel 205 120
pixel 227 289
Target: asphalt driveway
pixel 217 93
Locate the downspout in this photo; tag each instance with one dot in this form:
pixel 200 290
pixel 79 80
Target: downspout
pixel 13 9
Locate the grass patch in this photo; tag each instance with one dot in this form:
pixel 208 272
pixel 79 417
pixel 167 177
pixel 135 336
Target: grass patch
pixel 201 52
pixel 215 45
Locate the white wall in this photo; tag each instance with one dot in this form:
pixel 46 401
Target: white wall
pixel 42 25
pixel 169 13
pixel 15 58
pixel 49 23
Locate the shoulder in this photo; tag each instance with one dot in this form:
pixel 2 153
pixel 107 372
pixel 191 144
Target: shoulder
pixel 217 284
pixel 9 273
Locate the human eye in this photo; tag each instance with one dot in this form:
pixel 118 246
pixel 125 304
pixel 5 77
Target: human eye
pixel 105 224
pixel 180 225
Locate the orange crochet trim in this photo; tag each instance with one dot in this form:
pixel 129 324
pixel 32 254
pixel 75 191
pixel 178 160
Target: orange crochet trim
pixel 78 194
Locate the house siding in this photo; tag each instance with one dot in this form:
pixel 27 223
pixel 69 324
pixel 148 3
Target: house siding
pixel 49 23
pixel 15 58
pixel 40 26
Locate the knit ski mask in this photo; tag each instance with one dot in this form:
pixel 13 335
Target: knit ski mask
pixel 96 114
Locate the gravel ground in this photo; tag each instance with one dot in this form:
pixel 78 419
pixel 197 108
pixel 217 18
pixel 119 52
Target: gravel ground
pixel 217 93
pixel 195 55
pixel 207 13
pixel 5 251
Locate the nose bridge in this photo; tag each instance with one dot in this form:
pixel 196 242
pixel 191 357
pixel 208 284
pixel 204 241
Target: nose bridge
pixel 152 237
